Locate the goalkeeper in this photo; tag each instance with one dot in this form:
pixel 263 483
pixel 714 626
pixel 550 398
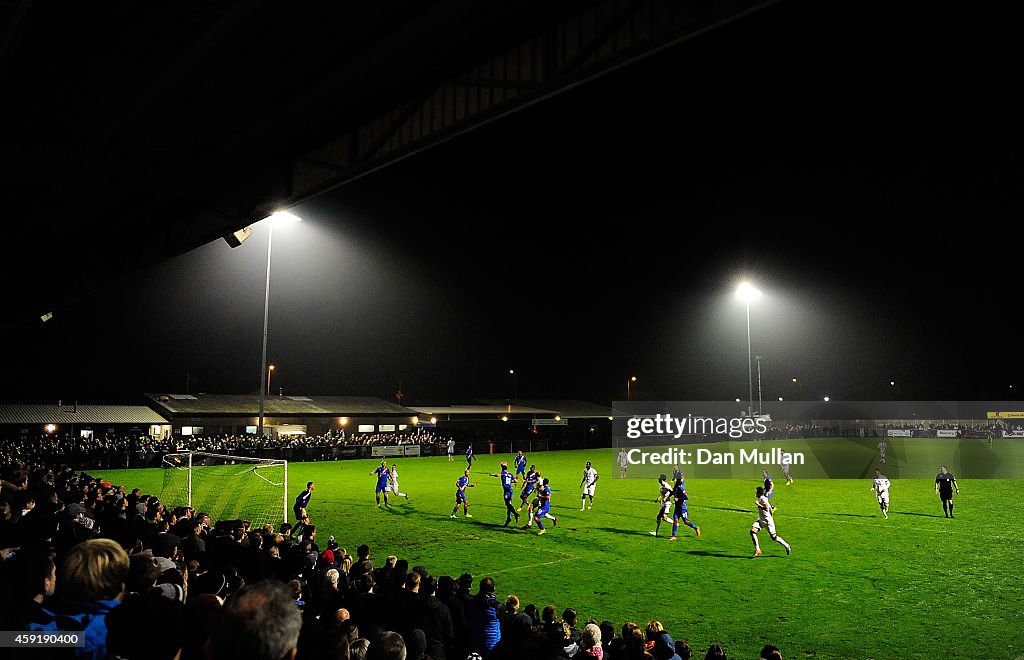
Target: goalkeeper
pixel 302 501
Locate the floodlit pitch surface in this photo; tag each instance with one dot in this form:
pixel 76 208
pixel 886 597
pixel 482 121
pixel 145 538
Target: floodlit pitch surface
pixel 856 586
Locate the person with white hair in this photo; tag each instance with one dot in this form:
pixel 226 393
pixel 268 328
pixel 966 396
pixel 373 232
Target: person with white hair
pixel 590 642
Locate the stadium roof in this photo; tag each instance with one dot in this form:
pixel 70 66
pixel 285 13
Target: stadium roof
pixel 177 123
pixel 248 404
pixel 78 414
pixel 488 410
pixel 566 408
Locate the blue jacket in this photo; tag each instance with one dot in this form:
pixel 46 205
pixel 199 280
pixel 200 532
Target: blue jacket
pixel 484 627
pixel 91 621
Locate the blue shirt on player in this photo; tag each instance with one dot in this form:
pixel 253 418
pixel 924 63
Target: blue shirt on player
pixel 531 482
pixel 507 479
pixel 460 494
pixel 383 475
pixel 677 474
pixel 544 493
pixel 469 455
pixel 520 465
pixel 679 493
pixel 769 487
pixel 302 501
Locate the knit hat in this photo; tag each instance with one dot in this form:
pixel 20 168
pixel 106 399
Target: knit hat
pixel 171 591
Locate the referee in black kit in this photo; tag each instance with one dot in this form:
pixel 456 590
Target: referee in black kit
pixel 945 485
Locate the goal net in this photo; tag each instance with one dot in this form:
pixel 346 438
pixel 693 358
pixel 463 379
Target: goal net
pixel 227 487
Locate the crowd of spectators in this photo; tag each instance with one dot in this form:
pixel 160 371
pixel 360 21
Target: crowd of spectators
pixel 329 439
pixel 137 578
pixel 119 451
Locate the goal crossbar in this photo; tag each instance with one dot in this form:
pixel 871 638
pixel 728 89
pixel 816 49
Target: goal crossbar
pixel 189 461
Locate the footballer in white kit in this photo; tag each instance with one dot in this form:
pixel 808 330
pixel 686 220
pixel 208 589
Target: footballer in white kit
pixel 393 485
pixel 765 521
pixel 881 487
pixel 664 503
pixel 589 484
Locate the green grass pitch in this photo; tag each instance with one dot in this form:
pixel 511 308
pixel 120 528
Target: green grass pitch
pixel 856 586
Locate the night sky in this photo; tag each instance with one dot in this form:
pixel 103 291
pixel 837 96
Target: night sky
pixel 860 163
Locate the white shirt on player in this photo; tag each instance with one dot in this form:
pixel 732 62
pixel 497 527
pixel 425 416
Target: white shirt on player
pixel 881 486
pixel 589 480
pixel 882 447
pixel 394 480
pixel 451 446
pixel 623 459
pixel 665 494
pixel 764 512
pixel 764 516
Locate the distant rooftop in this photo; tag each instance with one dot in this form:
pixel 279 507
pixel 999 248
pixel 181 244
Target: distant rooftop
pixel 564 408
pixel 249 404
pixel 33 413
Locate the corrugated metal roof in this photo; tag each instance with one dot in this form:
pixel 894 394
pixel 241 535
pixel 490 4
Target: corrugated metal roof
pixel 11 413
pixel 495 410
pixel 249 404
pixel 566 408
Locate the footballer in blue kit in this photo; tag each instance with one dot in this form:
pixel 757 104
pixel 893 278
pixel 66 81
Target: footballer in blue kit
pixel 520 464
pixel 507 479
pixel 383 480
pixel 460 494
pixel 680 512
pixel 544 493
pixel 531 479
pixel 469 457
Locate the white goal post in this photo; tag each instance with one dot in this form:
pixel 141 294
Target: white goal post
pixel 227 486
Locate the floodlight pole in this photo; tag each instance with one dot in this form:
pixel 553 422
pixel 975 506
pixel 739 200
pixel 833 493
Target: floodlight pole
pixel 750 363
pixel 266 320
pixel 760 405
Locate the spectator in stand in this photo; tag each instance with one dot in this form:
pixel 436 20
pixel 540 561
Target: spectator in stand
pixel 363 565
pixel 664 647
pixel 569 616
pixel 631 644
pixel 130 628
pixel 715 652
pixel 569 647
pixel 590 642
pixel 34 578
pixel 387 646
pixel 358 649
pixel 608 639
pixel 509 610
pixel 482 615
pixel 654 628
pixel 260 622
pixel 193 546
pixel 437 622
pixel 92 581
